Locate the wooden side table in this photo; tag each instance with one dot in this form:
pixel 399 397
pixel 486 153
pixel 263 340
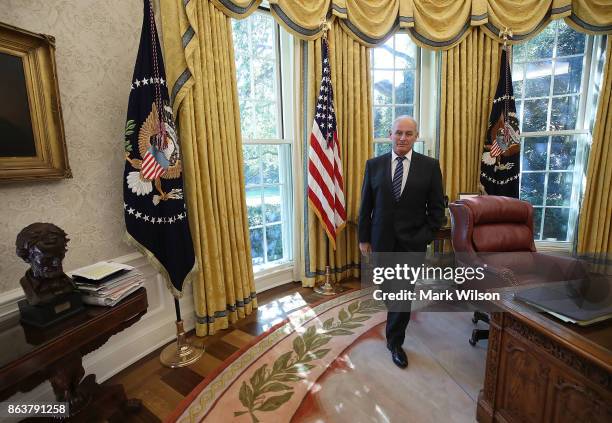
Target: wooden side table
pixel 56 354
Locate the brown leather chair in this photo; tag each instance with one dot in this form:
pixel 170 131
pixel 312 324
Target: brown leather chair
pixel 497 233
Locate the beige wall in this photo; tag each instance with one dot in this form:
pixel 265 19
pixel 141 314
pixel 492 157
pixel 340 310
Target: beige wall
pixel 96 44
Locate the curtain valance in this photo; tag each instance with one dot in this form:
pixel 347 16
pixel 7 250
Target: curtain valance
pixel 437 24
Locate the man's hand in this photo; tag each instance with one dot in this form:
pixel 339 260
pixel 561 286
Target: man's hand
pixel 365 248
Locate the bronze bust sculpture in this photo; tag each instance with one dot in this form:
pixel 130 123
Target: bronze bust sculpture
pixel 43 246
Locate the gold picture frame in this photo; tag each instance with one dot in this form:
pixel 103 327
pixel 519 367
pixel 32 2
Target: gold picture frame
pixel 32 139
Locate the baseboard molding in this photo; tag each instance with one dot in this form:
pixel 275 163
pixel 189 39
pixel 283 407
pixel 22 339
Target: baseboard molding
pixel 8 302
pixel 272 280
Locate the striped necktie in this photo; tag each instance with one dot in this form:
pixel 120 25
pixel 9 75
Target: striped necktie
pixel 397 178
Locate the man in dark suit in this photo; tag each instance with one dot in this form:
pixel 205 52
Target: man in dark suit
pixel 402 207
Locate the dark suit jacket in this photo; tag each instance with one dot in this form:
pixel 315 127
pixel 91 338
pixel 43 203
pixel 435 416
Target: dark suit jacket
pixel 412 221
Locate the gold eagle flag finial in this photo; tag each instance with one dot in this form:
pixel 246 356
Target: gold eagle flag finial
pixel 324 26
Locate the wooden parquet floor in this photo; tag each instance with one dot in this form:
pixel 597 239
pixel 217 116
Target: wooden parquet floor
pixel 161 389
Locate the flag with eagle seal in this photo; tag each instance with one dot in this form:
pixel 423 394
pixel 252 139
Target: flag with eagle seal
pixel 500 163
pixel 154 207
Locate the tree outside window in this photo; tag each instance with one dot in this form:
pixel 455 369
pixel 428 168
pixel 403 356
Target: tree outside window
pixel 548 79
pixel 266 156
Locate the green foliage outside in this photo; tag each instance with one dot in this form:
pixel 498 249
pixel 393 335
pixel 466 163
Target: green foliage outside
pixel 538 69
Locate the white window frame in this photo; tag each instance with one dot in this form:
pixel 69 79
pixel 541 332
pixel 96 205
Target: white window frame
pixel 273 274
pixel 582 134
pixel 425 107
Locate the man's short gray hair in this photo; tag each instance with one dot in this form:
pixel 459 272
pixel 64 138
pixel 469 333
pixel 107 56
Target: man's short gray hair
pixel 397 119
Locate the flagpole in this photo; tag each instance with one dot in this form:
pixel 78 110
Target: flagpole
pixel 326 288
pixel 180 353
pixel 324 145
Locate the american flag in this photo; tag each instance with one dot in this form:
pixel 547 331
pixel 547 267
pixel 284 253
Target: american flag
pixel 151 168
pixel 495 149
pixel 325 182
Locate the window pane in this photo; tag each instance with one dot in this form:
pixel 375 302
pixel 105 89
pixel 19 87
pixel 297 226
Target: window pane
pixel 404 87
pixel 265 124
pixel 267 167
pixel 243 75
pixel 263 58
pixel 272 199
pixel 383 86
pixel 568 74
pixel 537 223
pixel 256 75
pixel 555 224
pixel 241 33
pixel 265 85
pixel 517 80
pixel 253 200
pixel 403 110
pixel 405 52
pixel 562 153
pixel 383 56
pixel 382 148
pixel 559 190
pixel 257 242
pixel 419 147
pixel 541 46
pixel 274 238
pixel 519 111
pixel 382 121
pixel 569 41
pixel 534 153
pixel 564 113
pixel 394 89
pixel 532 188
pixel 271 164
pixel 518 53
pixel 246 119
pixel 547 78
pixel 250 154
pixel 537 83
pixel 534 115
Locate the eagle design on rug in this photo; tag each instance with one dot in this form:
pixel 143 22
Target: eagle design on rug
pixel 159 152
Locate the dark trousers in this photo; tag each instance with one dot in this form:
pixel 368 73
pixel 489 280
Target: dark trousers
pixel 397 321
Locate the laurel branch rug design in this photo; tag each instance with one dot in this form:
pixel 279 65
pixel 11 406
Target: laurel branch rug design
pixel 329 363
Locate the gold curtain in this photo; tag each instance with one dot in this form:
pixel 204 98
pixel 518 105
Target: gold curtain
pixel 353 104
pixel 203 87
pixel 238 9
pixel 595 227
pixel 470 72
pixel 440 24
pixel 301 18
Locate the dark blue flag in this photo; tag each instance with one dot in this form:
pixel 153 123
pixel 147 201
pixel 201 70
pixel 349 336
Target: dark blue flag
pixel 155 211
pixel 501 158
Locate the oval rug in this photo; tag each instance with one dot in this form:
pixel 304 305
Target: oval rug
pixel 327 363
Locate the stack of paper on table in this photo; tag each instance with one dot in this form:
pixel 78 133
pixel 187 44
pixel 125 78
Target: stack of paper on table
pixel 106 283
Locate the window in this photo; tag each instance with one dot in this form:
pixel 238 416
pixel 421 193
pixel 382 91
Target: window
pixel 550 80
pixel 266 151
pixel 395 87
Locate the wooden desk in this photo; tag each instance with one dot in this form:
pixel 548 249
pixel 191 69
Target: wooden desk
pixel 56 354
pixel 540 369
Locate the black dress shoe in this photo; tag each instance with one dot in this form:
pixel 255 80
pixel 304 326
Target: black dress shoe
pixel 398 356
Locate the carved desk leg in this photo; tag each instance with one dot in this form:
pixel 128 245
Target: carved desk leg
pixel 65 376
pixel 88 400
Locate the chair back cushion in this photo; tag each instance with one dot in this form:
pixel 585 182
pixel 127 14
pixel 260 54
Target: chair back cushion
pixel 493 224
pixel 498 237
pixel 497 209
